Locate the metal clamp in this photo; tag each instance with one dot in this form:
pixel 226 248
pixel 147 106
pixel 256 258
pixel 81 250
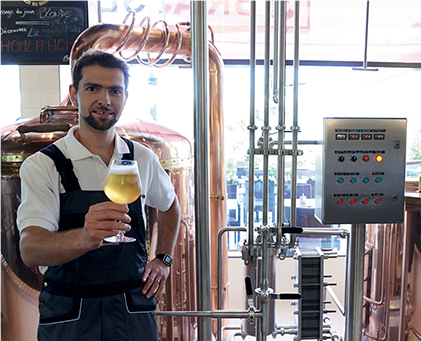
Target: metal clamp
pixel 280 128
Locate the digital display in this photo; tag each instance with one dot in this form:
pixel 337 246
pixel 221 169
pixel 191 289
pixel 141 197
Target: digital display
pixel 354 136
pixel 379 136
pixel 341 136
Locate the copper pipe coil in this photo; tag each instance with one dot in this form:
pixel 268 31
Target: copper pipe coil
pixel 135 38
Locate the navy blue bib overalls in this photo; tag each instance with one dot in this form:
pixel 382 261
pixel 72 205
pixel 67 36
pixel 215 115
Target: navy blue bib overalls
pixel 97 296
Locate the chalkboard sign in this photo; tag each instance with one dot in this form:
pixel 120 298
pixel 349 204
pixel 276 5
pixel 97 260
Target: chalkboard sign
pixel 40 32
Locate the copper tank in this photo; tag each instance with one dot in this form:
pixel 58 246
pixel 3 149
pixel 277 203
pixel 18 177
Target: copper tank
pixel 392 278
pixel 174 151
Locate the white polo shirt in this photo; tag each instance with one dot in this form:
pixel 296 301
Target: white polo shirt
pixel 41 183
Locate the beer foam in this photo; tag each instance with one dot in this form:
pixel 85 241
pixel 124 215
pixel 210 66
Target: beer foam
pixel 126 169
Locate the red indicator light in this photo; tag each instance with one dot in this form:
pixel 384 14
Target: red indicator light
pixel 352 201
pixel 366 158
pixel 340 202
pixel 377 201
pixel 379 158
pixel 365 201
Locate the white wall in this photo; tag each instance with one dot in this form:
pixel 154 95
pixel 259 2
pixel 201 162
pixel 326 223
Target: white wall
pixel 39 87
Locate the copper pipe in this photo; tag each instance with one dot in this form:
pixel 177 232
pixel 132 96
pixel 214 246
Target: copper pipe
pixel 109 36
pixel 217 183
pixel 385 270
pixel 388 281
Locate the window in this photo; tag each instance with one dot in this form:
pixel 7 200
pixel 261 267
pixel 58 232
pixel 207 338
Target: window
pixel 323 92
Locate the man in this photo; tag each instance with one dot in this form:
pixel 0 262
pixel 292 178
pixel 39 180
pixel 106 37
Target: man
pixel 92 290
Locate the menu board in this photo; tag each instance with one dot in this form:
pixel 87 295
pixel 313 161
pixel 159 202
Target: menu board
pixel 40 32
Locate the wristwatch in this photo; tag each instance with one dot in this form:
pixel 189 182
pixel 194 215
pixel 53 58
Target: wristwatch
pixel 166 259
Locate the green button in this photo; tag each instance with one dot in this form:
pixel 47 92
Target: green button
pixel 378 180
pixel 340 180
pixel 366 180
pixel 353 180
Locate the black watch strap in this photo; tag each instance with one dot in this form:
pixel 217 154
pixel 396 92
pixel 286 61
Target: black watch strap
pixel 166 259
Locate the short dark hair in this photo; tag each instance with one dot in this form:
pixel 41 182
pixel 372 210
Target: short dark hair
pixel 101 58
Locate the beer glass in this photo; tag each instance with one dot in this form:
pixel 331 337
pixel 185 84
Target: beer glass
pixel 122 187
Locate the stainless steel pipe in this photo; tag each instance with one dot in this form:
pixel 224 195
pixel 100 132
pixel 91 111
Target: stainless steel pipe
pixel 200 63
pixel 252 127
pixel 354 283
pixel 266 127
pixel 281 62
pixel 220 265
pixel 325 232
pixel 295 128
pixel 227 314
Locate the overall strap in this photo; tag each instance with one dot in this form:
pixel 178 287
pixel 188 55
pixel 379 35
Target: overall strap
pixel 64 167
pixel 130 155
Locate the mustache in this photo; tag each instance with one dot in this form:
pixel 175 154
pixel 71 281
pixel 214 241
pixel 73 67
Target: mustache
pixel 104 109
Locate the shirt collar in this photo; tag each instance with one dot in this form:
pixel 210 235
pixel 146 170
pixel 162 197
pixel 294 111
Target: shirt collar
pixel 77 150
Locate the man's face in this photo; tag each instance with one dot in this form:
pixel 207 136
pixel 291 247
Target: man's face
pixel 101 96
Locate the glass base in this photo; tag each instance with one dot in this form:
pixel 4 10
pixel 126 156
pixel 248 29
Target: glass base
pixel 120 239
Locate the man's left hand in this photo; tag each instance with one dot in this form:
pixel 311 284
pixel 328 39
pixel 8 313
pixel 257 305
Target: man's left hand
pixel 154 277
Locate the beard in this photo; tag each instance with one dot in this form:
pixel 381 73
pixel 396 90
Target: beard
pixel 99 124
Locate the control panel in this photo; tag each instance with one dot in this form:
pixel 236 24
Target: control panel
pixel 360 173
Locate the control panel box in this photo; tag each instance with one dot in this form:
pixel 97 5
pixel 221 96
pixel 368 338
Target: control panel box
pixel 360 173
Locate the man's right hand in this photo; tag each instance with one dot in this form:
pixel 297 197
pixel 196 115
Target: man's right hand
pixel 41 247
pixel 104 220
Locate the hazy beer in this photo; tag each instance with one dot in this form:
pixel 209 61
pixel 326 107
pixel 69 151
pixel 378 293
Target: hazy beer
pixel 123 184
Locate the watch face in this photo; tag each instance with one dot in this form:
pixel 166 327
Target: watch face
pixel 167 260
